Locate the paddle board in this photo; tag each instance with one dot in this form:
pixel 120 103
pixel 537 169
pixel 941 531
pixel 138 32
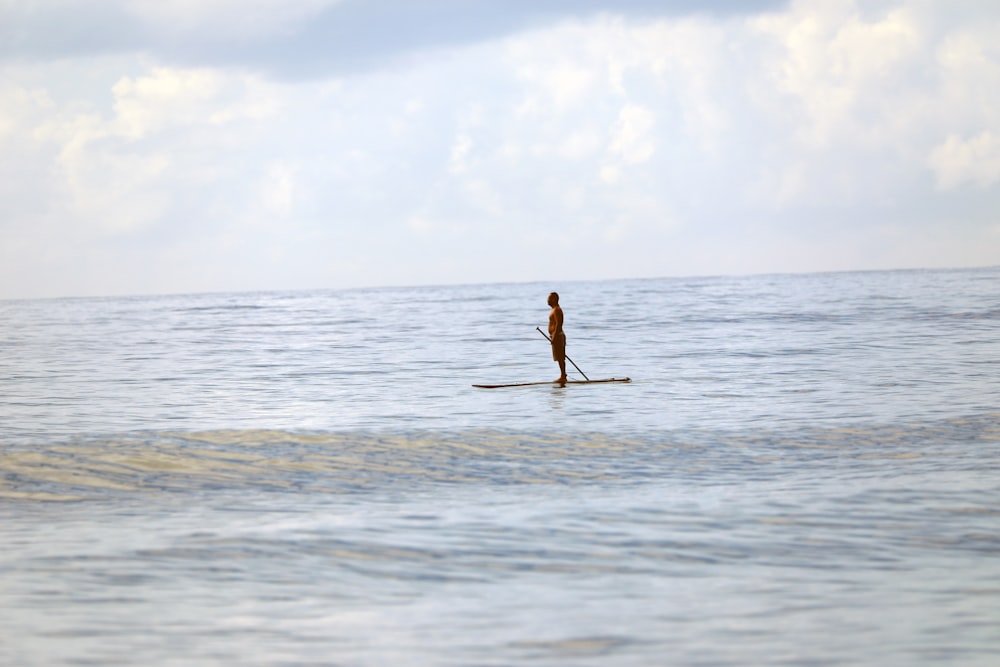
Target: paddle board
pixel 557 384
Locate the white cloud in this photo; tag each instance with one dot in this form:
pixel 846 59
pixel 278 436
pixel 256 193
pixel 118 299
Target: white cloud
pixel 557 86
pixel 864 96
pixel 145 104
pixel 958 161
pixel 278 189
pixel 631 141
pixel 420 225
pixel 580 144
pixel 832 63
pixel 172 96
pixel 803 138
pixel 116 193
pixel 968 65
pixel 459 154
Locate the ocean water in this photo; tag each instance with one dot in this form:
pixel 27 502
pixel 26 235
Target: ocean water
pixel 805 470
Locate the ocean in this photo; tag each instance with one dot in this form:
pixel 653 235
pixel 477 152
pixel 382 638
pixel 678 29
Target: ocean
pixel 804 470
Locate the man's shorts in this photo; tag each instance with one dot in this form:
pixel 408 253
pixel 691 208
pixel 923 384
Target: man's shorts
pixel 559 347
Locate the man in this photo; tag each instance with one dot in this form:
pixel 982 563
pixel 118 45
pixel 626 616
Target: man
pixel 557 335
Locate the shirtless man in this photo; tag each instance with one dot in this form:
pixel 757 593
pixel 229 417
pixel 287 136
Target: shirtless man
pixel 557 335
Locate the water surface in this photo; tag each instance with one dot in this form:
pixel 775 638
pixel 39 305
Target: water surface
pixel 804 470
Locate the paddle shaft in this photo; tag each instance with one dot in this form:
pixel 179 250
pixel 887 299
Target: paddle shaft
pixel 539 330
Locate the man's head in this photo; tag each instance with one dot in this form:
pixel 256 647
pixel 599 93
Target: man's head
pixel 553 299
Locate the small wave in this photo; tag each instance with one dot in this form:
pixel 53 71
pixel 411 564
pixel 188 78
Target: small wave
pixel 353 462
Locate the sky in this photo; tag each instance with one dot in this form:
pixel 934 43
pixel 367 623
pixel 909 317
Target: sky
pixel 176 146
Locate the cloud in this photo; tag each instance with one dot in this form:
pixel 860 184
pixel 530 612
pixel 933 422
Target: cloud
pixel 631 142
pixel 958 161
pixel 864 93
pixel 146 104
pixel 832 61
pixel 227 20
pixel 297 38
pixel 818 135
pixel 277 190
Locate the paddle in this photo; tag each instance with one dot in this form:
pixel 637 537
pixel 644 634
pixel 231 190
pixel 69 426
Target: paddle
pixel 539 330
